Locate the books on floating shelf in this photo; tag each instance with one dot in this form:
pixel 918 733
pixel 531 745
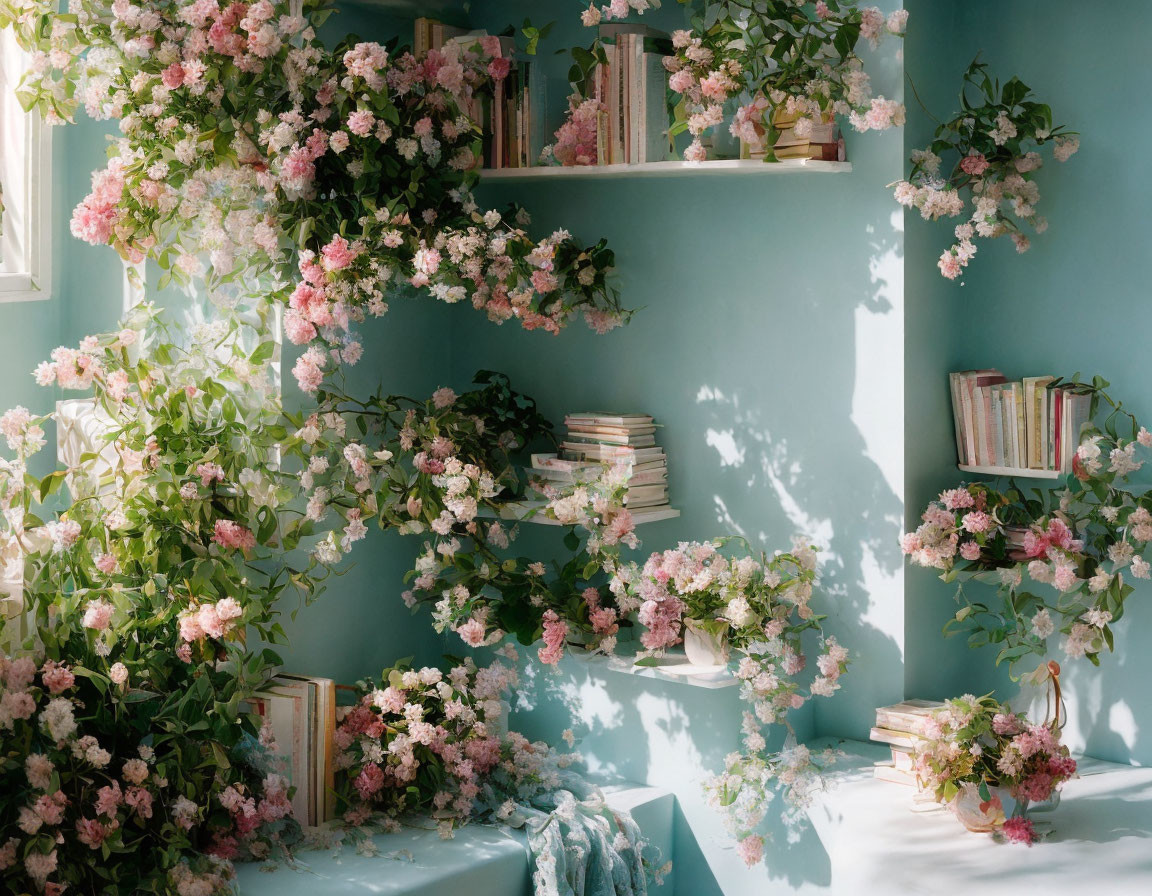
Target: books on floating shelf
pixel 632 88
pixel 1025 428
pixel 505 113
pixel 595 439
pixel 821 141
pixel 901 726
pixel 301 711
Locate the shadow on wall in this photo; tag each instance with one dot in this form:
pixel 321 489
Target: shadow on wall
pixel 671 736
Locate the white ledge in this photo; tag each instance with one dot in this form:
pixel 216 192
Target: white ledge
pixel 522 512
pixel 1019 472
pixel 668 169
pixel 673 667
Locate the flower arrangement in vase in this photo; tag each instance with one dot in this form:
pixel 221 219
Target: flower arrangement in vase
pixel 993 147
pixel 976 753
pixel 757 606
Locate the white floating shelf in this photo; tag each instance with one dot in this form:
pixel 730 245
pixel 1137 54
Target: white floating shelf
pixel 667 169
pixel 1018 472
pixel 673 668
pixel 522 513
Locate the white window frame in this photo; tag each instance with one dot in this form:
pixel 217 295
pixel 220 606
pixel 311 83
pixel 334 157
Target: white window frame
pixel 26 173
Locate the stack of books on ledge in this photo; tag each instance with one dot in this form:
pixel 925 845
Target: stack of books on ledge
pixel 1031 424
pixel 301 711
pixel 900 726
pixel 632 87
pixel 820 141
pixel 595 439
pixel 504 114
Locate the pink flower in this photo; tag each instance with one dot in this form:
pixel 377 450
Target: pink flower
pixel 369 781
pixel 751 849
pixel 472 632
pixel 337 254
pixel 555 634
pixel 361 122
pixel 443 398
pixel 173 76
pixel 976 522
pixel 970 550
pixel 232 536
pixel 1019 830
pixel 57 678
pixel 974 163
pixel 97 615
pixel 498 68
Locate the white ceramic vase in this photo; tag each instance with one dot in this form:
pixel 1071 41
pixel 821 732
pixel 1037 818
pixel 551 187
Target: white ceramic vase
pixel 702 647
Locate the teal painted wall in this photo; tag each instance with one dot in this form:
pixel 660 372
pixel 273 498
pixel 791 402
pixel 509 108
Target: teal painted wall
pixel 768 346
pixel 1075 302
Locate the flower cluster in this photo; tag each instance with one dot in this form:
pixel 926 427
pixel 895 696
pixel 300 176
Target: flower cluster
pixel 761 607
pixel 1077 543
pixel 249 149
pixel 977 742
pixel 433 742
pixel 171 547
pixel 748 786
pixel 792 59
pixel 993 146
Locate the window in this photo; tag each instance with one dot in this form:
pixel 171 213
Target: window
pixel 25 188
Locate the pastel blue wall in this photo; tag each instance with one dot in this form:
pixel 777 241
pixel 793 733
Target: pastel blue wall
pixel 799 389
pixel 768 345
pixel 1075 302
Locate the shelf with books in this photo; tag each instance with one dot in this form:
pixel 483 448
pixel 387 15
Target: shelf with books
pixel 668 169
pixel 1028 428
pixel 1018 472
pixel 672 667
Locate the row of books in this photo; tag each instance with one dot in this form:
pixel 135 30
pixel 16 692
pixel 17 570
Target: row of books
pixel 821 141
pixel 1031 424
pixel 900 726
pixel 595 439
pixel 632 87
pixel 505 115
pixel 301 711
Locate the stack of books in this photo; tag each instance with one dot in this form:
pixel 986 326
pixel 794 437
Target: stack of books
pixel 632 88
pixel 821 142
pixel 302 713
pixel 596 439
pixel 1031 424
pixel 504 114
pixel 900 726
pixel 431 34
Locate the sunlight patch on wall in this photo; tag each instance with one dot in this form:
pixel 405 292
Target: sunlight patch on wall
pixel 885 590
pixel 878 395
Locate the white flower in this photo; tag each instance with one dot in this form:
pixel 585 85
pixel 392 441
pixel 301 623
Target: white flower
pixel 1042 624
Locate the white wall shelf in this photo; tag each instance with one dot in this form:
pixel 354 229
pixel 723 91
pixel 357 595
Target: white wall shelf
pixel 521 512
pixel 1018 472
pixel 668 169
pixel 673 667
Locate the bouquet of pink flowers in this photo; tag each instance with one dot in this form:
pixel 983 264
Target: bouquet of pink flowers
pixel 975 743
pixel 431 743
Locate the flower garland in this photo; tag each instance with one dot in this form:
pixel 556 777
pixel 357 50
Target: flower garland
pixel 975 743
pixel 122 716
pixel 790 59
pixel 995 143
pixel 1078 542
pixel 252 154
